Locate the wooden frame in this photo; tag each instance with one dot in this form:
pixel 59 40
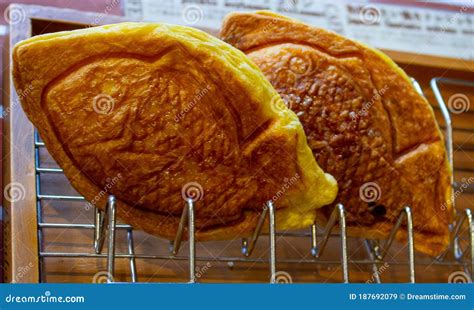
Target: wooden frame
pixel 431 60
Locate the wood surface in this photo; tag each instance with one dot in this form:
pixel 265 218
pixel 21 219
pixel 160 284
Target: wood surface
pixel 20 235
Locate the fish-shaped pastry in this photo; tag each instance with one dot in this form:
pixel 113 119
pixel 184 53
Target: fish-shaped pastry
pixel 365 123
pixel 156 114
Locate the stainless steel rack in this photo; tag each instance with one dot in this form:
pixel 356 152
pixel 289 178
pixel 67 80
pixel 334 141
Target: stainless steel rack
pixel 376 252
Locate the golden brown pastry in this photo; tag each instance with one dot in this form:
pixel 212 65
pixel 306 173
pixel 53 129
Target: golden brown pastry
pixel 156 113
pixel 365 122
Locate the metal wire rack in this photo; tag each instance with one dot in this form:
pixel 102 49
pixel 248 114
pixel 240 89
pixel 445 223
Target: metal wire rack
pixel 376 252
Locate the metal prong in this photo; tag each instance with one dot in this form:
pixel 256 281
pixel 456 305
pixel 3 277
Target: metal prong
pixel 99 229
pixel 404 214
pixel 417 86
pixel 131 251
pixel 247 248
pixel 372 256
pixel 314 239
pixel 453 240
pixel 342 227
pixel 192 245
pixel 375 244
pixel 271 226
pixel 411 246
pixel 447 119
pixel 179 234
pixel 459 253
pixel 111 241
pixel 391 236
pixel 471 239
pixel 318 250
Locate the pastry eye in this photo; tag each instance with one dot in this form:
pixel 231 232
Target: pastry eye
pixel 377 210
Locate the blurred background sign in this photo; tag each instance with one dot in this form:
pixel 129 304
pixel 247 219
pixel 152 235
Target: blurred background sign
pixel 437 28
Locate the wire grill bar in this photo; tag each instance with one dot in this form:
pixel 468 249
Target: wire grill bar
pixel 106 222
pixel 271 223
pixel 317 250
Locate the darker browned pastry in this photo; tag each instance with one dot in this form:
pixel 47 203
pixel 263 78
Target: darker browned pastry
pixel 365 123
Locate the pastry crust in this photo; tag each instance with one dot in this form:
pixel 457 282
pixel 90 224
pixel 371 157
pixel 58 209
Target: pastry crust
pixel 365 122
pixel 155 113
